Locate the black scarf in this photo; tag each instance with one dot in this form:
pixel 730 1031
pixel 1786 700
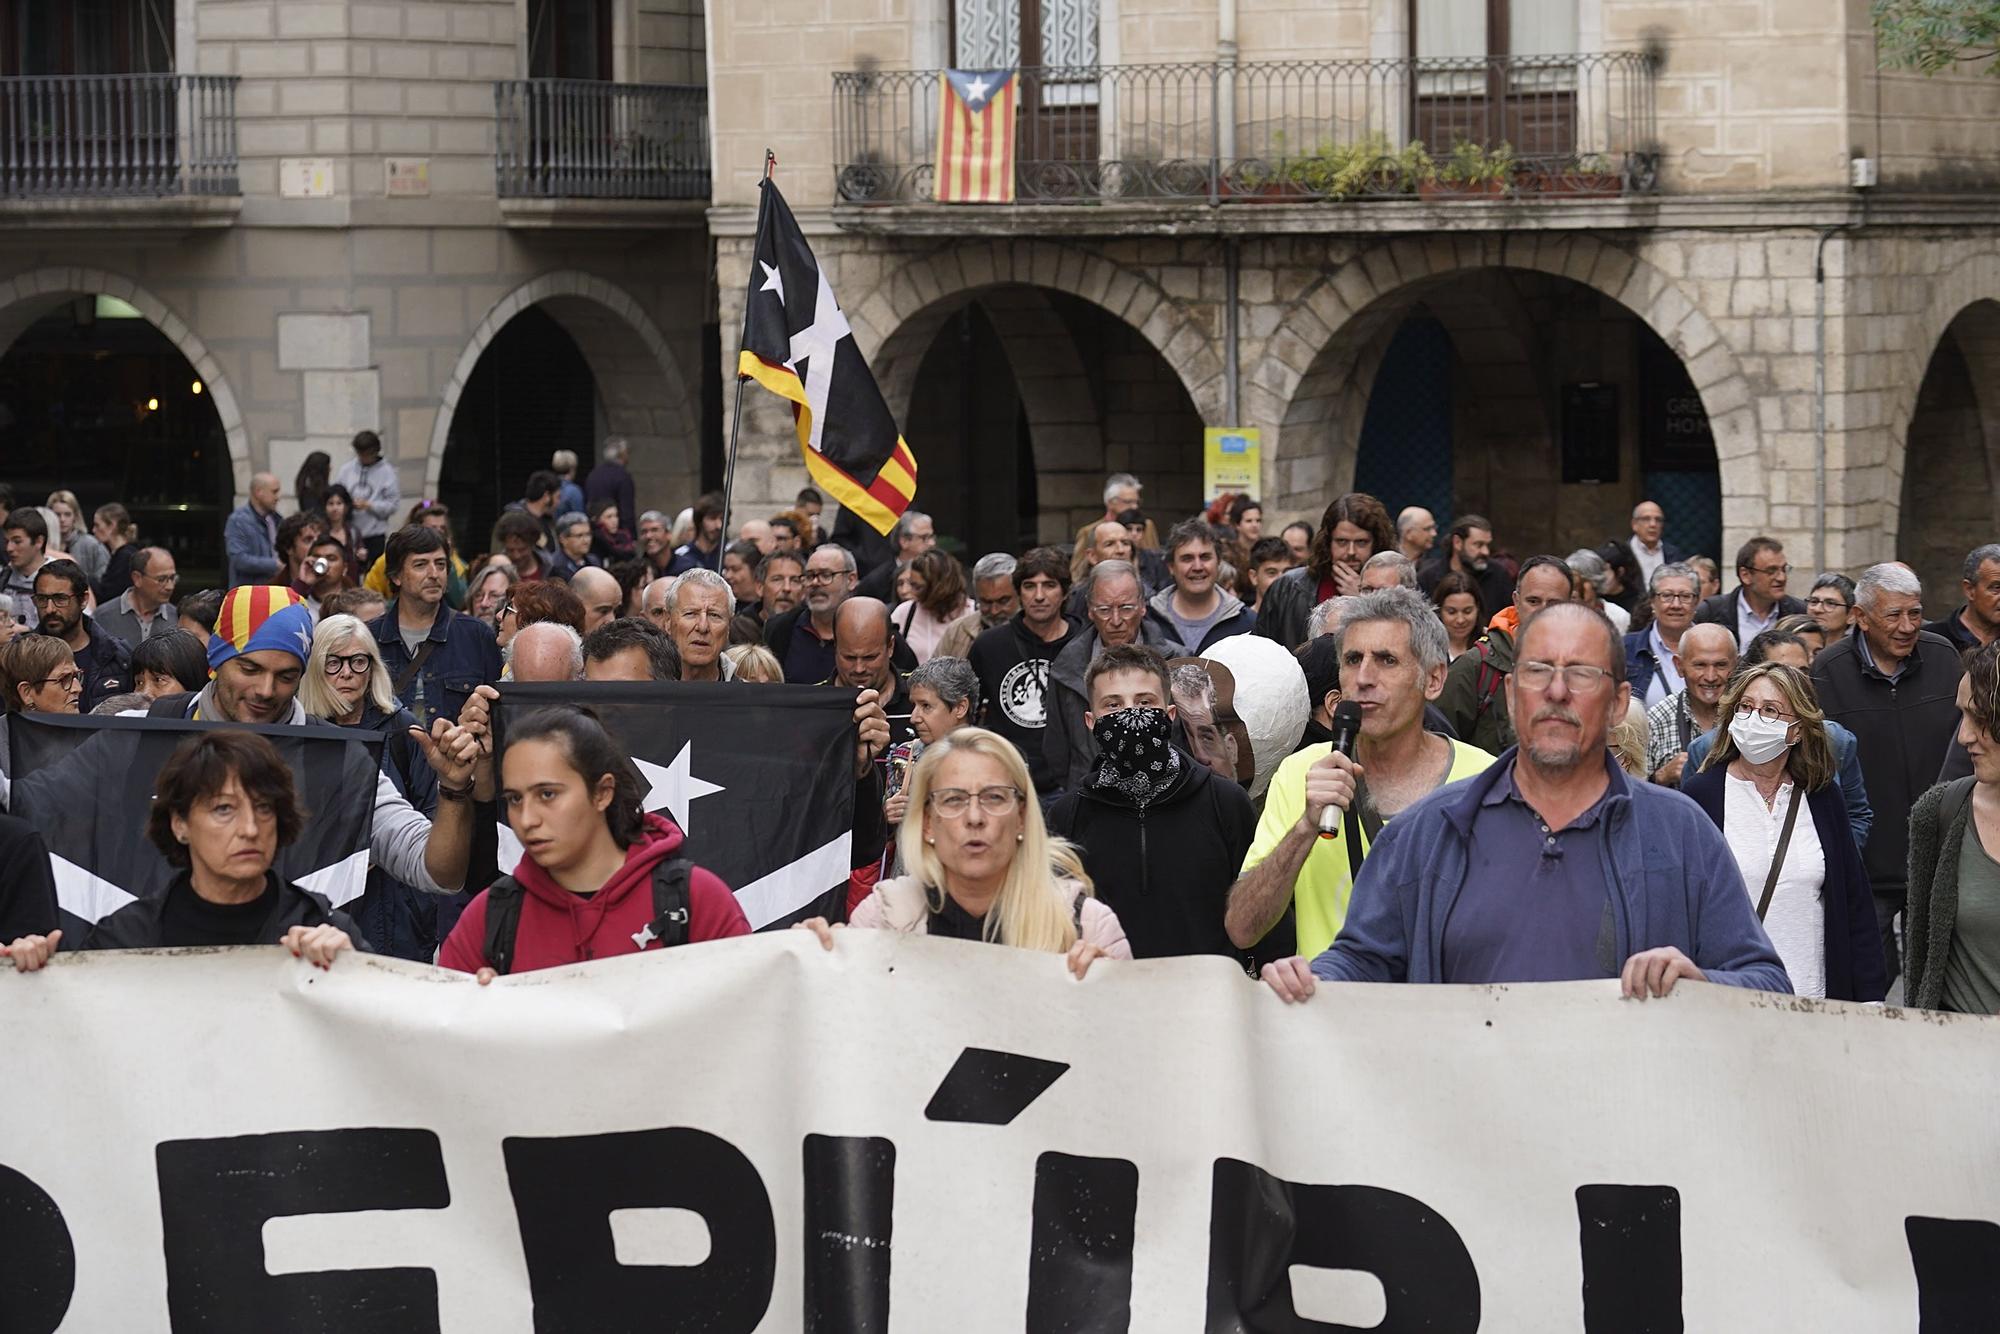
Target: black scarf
pixel 1135 755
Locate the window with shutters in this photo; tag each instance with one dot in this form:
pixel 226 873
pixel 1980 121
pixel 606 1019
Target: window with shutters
pixel 1054 43
pixel 569 39
pixel 1494 71
pixel 1004 34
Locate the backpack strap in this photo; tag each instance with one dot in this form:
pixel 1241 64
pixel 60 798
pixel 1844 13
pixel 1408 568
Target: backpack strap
pixel 671 908
pixel 503 923
pixel 1956 794
pixel 1489 681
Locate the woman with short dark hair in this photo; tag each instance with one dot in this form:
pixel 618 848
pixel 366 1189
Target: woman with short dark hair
pixel 595 868
pixel 172 662
pixel 223 806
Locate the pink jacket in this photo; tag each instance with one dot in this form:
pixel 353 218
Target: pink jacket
pixel 900 905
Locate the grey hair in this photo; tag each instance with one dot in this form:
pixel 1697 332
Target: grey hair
pixel 1407 520
pixel 846 556
pixel 1117 482
pixel 1330 613
pixel 1590 567
pixel 1106 569
pixel 615 449
pixel 1677 570
pixel 1977 557
pixel 653 516
pixel 1405 568
pixel 994 565
pixel 907 523
pixel 1887 577
pixel 565 522
pixel 568 632
pixel 563 461
pixel 699 577
pixel 952 680
pixel 1427 637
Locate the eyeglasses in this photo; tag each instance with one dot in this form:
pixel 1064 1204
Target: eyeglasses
pixel 358 663
pixel 823 576
pixel 953 802
pixel 1825 604
pixel 1673 597
pixel 1580 677
pixel 1769 712
pixel 506 608
pixel 52 599
pixel 1104 611
pixel 1770 569
pixel 170 578
pixel 68 680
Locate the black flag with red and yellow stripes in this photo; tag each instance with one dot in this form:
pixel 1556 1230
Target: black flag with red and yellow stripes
pixel 796 344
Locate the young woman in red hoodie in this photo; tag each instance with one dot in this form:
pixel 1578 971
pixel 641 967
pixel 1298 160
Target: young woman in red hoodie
pixel 573 798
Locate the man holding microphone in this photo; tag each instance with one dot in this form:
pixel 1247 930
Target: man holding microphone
pixel 1325 808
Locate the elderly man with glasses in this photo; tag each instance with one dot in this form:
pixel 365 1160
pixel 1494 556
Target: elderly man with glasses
pixel 1552 865
pixel 1116 605
pixel 1674 590
pixel 147 607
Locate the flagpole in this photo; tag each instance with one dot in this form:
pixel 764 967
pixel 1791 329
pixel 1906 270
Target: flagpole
pixel 736 417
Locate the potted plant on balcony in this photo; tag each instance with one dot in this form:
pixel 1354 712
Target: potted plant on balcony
pixel 1591 176
pixel 1471 169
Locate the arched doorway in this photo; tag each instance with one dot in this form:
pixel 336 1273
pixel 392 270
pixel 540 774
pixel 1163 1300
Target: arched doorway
pixel 95 398
pixel 1951 456
pixel 1020 399
pixel 1524 396
pixel 561 363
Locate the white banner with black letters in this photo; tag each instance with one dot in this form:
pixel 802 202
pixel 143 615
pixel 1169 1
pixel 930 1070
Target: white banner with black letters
pixel 918 1136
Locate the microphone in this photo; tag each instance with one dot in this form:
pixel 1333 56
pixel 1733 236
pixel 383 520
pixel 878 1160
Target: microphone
pixel 1346 730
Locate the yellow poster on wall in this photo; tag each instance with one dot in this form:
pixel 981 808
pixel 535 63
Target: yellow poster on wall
pixel 1231 460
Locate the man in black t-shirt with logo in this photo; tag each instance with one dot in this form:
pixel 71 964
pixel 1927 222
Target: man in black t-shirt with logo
pixel 1013 659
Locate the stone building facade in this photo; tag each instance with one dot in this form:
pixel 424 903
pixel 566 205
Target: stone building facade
pixel 319 297
pixel 1837 338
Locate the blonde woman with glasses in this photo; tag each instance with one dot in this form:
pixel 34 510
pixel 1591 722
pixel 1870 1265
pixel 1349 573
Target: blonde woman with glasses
pixel 985 866
pixel 346 683
pixel 1802 869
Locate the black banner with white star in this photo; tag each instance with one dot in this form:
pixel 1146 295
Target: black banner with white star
pixel 86 784
pixel 796 343
pixel 759 778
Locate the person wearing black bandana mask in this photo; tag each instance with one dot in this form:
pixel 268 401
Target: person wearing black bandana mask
pixel 1161 835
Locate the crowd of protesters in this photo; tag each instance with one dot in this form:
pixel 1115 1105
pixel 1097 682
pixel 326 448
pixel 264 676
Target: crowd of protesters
pixel 1493 767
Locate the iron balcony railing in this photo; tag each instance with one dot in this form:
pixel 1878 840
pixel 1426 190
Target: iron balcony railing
pixel 102 136
pixel 581 139
pixel 1275 130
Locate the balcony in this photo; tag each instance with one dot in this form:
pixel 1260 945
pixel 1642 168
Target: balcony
pixel 129 150
pixel 1278 131
pixel 622 149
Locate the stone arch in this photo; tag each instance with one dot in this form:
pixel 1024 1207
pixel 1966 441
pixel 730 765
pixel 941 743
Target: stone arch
pixel 1311 375
pixel 1960 288
pixel 1947 452
pixel 639 385
pixel 27 297
pixel 909 291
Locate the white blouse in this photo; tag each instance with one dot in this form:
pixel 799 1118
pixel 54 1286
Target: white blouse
pixel 1796 921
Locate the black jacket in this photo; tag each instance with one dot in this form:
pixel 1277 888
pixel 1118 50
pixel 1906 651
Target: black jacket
pixel 1903 729
pixel 106 664
pixel 1166 869
pixel 1286 606
pixel 137 925
pixel 778 633
pixel 1012 664
pixel 1721 610
pixel 27 887
pixel 1855 970
pixel 1496 586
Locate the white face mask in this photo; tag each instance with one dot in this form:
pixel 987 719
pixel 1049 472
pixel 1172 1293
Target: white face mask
pixel 1760 739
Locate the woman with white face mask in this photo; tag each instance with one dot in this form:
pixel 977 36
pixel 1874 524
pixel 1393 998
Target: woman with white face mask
pixel 1770 785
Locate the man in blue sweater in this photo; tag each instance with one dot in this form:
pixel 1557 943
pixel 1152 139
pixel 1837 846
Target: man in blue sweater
pixel 1550 866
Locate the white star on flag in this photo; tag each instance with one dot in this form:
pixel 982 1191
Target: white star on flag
pixel 815 344
pixel 773 280
pixel 976 90
pixel 674 786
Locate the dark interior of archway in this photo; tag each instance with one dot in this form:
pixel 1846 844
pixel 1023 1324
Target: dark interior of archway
pixel 975 454
pixel 75 390
pixel 530 394
pixel 1546 407
pixel 1948 502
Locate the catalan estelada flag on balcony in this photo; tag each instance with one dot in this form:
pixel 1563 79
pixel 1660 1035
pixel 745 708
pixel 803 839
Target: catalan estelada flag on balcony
pixel 975 147
pixel 796 344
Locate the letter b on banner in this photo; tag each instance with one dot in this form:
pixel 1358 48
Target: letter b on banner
pixel 1261 1225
